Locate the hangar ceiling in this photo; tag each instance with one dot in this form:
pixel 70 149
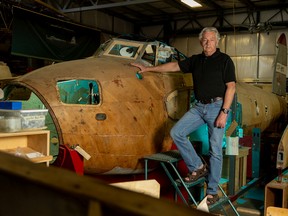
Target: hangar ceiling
pixel 151 12
pixel 170 13
pixel 251 15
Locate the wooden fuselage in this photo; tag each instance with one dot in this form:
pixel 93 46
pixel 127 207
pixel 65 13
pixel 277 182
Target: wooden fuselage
pixel 260 108
pixel 136 123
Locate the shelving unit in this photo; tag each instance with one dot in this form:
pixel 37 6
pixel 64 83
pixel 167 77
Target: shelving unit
pixel 33 145
pixel 276 194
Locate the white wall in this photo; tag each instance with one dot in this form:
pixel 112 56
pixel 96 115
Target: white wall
pixel 252 54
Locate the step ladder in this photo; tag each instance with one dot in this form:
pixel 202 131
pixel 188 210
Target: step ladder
pixel 170 159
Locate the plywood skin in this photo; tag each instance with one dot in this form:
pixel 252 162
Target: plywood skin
pixel 136 124
pixel 259 108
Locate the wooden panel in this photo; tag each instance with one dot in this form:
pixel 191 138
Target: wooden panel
pixel 276 211
pixel 240 167
pixel 12 142
pixel 148 187
pixel 49 191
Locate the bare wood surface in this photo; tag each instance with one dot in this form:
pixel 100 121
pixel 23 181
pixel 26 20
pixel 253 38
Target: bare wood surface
pixel 276 211
pixel 149 187
pixel 61 192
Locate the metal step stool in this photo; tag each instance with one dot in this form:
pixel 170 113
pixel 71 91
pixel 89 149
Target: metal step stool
pixel 171 159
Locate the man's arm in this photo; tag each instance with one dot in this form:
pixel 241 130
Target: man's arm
pixel 228 99
pixel 229 94
pixel 168 67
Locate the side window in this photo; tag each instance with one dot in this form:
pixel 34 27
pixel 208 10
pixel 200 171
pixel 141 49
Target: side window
pixel 79 91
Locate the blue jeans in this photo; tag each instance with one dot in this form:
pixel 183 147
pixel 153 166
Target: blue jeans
pixel 198 115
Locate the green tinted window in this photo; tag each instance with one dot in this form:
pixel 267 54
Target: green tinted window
pixel 79 91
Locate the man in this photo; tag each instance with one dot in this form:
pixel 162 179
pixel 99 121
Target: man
pixel 214 81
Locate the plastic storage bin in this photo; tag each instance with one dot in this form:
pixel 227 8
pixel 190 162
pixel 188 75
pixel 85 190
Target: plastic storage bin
pixel 10 105
pixel 30 119
pixel 10 124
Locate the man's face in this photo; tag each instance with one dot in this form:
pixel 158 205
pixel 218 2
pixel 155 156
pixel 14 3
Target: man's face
pixel 209 43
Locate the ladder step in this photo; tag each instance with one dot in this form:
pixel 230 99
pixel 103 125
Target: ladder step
pixel 221 201
pixel 168 156
pixel 190 184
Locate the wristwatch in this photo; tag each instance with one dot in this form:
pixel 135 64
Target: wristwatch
pixel 224 110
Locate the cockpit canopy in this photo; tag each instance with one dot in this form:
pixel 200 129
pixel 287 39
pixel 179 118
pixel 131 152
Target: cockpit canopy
pixel 149 53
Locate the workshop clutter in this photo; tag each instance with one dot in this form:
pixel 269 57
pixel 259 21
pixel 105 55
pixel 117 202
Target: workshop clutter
pixel 10 124
pixel 11 105
pixel 13 119
pixel 72 158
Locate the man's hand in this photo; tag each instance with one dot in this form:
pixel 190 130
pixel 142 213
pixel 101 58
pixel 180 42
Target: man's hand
pixel 140 66
pixel 221 120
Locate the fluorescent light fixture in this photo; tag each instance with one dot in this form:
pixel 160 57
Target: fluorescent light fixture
pixel 191 3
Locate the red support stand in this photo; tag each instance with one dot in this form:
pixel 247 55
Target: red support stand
pixel 70 159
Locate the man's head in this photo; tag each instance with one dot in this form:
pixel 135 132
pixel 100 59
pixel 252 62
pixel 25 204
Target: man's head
pixel 209 38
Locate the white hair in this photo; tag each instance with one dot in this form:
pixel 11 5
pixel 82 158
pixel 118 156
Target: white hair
pixel 209 29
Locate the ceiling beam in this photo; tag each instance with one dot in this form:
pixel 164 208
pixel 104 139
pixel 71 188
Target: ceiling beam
pixel 109 5
pixel 249 4
pixel 211 4
pixel 179 6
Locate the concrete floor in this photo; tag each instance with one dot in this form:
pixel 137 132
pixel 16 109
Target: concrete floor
pixel 249 204
pixel 252 202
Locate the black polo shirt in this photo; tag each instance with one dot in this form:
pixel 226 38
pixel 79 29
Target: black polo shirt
pixel 210 74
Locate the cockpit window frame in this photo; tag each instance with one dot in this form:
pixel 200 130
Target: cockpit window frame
pixel 124 43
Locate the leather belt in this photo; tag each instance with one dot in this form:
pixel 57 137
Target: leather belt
pixel 211 100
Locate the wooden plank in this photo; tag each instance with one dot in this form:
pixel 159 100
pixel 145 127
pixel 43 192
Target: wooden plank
pixel 238 173
pixel 12 142
pixel 232 128
pixel 248 211
pixel 149 187
pixel 94 209
pixel 276 211
pixel 25 151
pixel 66 193
pixel 244 168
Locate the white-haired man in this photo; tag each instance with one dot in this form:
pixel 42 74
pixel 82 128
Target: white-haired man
pixel 214 82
